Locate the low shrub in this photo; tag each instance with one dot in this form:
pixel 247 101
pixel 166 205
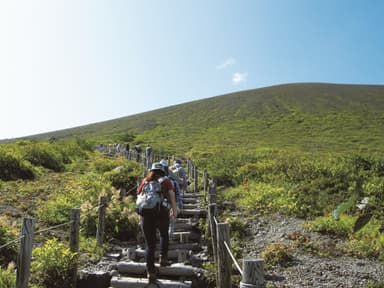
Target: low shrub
pixel 367 242
pixel 277 254
pixel 52 265
pixel 122 222
pixel 328 225
pixel 89 250
pixel 102 164
pixel 12 168
pixel 8 253
pixel 8 276
pixel 123 176
pixel 260 197
pixel 45 155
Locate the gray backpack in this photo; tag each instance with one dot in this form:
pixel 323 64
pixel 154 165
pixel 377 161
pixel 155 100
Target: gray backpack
pixel 150 196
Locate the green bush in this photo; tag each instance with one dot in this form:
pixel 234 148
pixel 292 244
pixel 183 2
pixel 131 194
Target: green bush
pixel 58 209
pixel 260 197
pixel 8 277
pixel 122 222
pixel 52 265
pixel 8 253
pixel 75 191
pixel 123 176
pixel 12 168
pixel 102 164
pixel 328 225
pixel 367 242
pixel 43 154
pixel 89 250
pixel 277 254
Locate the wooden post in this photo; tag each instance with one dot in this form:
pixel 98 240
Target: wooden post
pixel 253 274
pixel 74 240
pixel 189 168
pixel 212 212
pixel 212 192
pixel 205 180
pixel 195 177
pixel 224 261
pixel 211 195
pixel 101 223
pixel 25 253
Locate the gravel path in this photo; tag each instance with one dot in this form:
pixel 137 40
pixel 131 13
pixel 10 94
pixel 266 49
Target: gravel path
pixel 309 270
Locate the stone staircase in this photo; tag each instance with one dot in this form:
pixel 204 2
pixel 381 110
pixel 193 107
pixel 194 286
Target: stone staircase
pixel 185 250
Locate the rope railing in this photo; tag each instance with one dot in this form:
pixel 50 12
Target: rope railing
pixel 53 227
pixel 252 270
pixel 12 241
pixel 220 234
pixel 26 238
pixel 27 233
pixel 233 258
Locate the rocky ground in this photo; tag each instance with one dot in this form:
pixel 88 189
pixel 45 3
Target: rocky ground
pixel 307 269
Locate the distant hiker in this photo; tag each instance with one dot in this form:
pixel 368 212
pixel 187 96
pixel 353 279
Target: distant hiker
pixel 138 152
pixel 157 217
pixel 148 151
pixel 179 171
pixel 148 155
pixel 175 181
pixel 177 190
pixel 126 150
pixel 118 148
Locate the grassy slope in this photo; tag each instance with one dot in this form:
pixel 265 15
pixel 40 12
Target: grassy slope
pixel 310 117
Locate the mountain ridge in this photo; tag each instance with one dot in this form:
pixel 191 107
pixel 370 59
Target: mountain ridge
pixel 313 112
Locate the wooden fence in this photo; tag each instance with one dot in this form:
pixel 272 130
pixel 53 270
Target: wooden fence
pixel 27 237
pixel 252 270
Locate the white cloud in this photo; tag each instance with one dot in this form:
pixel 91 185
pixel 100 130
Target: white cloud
pixel 226 63
pixel 239 77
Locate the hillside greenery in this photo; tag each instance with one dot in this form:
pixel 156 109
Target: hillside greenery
pixel 306 150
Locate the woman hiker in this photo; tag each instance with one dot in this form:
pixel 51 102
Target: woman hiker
pixel 157 217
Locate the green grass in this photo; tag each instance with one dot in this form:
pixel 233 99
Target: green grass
pixel 301 149
pixel 304 117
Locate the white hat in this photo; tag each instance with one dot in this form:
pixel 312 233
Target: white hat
pixel 164 163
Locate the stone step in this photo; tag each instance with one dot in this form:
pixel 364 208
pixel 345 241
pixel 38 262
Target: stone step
pixel 192 195
pixel 131 268
pixel 192 213
pixel 180 226
pixel 190 201
pixel 191 205
pixel 180 255
pixel 129 282
pixel 185 220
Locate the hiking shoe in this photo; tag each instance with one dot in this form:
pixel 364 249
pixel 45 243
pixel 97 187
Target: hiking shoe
pixel 163 261
pixel 151 275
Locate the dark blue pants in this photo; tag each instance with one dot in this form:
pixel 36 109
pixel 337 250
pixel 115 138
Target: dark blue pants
pixel 154 219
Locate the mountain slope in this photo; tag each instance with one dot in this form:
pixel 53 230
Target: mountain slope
pixel 310 116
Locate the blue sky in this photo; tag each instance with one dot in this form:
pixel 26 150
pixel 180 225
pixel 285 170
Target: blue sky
pixel 67 63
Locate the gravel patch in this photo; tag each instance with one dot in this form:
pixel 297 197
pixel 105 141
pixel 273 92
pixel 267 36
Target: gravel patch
pixel 308 270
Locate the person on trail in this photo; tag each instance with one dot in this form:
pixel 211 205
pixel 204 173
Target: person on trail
pixel 157 217
pixel 179 171
pixel 148 155
pixel 175 181
pixel 179 202
pixel 138 152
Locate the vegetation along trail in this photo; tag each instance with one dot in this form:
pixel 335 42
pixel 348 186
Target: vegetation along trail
pixel 299 173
